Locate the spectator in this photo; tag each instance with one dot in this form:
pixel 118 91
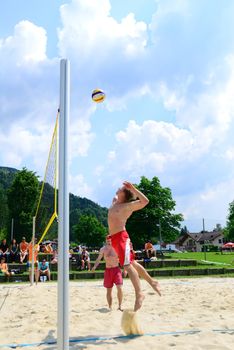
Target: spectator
pixel 23 250
pixel 42 248
pixel 33 248
pixel 79 260
pixel 48 248
pixel 149 249
pixel 4 250
pixel 77 249
pixel 71 255
pixel 55 257
pixel 85 259
pixel 54 245
pixel 4 267
pixel 14 251
pixel 44 270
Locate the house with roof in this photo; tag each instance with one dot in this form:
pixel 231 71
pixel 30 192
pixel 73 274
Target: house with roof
pixel 195 241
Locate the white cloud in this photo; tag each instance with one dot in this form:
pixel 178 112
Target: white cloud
pixel 184 60
pixel 212 204
pixel 104 52
pixel 111 155
pixel 20 146
pixel 78 186
pixel 144 142
pixel 26 46
pixel 29 84
pixel 229 154
pixel 81 137
pixel 88 28
pixel 99 170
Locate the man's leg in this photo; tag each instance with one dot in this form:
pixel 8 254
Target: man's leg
pixel 23 256
pixel 37 273
pixel 133 275
pixel 120 296
pixel 109 297
pixel 122 249
pixel 48 275
pixel 144 274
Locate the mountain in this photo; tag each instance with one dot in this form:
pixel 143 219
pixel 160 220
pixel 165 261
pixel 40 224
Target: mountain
pixel 6 177
pixel 78 206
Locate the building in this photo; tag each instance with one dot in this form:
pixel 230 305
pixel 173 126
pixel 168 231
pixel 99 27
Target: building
pixel 195 241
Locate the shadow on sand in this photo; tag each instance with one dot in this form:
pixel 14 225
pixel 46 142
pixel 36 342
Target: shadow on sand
pixel 82 342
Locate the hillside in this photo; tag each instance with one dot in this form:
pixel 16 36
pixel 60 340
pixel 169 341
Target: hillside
pixel 6 177
pixel 78 206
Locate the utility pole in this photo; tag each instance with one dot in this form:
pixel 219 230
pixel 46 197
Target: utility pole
pixel 160 234
pixel 12 228
pixel 204 245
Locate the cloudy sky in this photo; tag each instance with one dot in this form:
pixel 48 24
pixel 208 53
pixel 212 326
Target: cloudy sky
pixel 167 67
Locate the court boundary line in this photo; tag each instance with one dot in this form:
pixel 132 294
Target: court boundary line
pixel 103 338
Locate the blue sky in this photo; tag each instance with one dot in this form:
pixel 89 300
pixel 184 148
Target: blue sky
pixel 167 67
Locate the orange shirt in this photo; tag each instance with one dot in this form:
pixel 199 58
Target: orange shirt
pixel 23 246
pixel 148 246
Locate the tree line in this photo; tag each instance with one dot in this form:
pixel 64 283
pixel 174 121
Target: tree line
pixel 19 193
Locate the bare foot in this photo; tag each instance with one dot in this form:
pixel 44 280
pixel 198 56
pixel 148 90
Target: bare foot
pixel 120 308
pixel 139 301
pixel 156 287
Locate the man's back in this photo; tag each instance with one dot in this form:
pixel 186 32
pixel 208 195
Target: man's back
pixel 117 216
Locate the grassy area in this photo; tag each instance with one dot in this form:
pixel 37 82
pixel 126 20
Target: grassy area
pixel 227 258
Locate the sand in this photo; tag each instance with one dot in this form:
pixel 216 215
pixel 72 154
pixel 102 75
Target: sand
pixel 206 305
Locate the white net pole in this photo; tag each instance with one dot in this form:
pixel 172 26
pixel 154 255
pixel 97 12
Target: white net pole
pixel 63 210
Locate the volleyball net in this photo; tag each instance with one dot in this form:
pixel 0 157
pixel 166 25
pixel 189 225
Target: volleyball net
pixel 46 223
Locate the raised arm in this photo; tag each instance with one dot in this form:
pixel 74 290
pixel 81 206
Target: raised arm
pixel 100 256
pixel 142 199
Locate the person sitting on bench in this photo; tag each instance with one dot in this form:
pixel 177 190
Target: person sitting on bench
pixel 44 270
pixel 149 249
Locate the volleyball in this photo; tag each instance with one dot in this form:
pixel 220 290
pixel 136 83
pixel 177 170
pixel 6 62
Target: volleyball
pixel 98 95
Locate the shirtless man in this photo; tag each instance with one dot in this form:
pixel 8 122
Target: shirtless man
pixel 112 274
pixel 121 209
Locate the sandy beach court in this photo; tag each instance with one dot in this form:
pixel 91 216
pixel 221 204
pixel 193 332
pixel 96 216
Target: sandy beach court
pixel 201 309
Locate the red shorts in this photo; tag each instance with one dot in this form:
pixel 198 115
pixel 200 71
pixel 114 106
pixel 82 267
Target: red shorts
pixel 121 243
pixel 112 275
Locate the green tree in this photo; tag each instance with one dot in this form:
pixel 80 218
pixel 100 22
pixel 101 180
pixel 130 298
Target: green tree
pixel 3 209
pixel 218 228
pixel 22 197
pixel 144 224
pixel 184 230
pixel 89 231
pixel 229 230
